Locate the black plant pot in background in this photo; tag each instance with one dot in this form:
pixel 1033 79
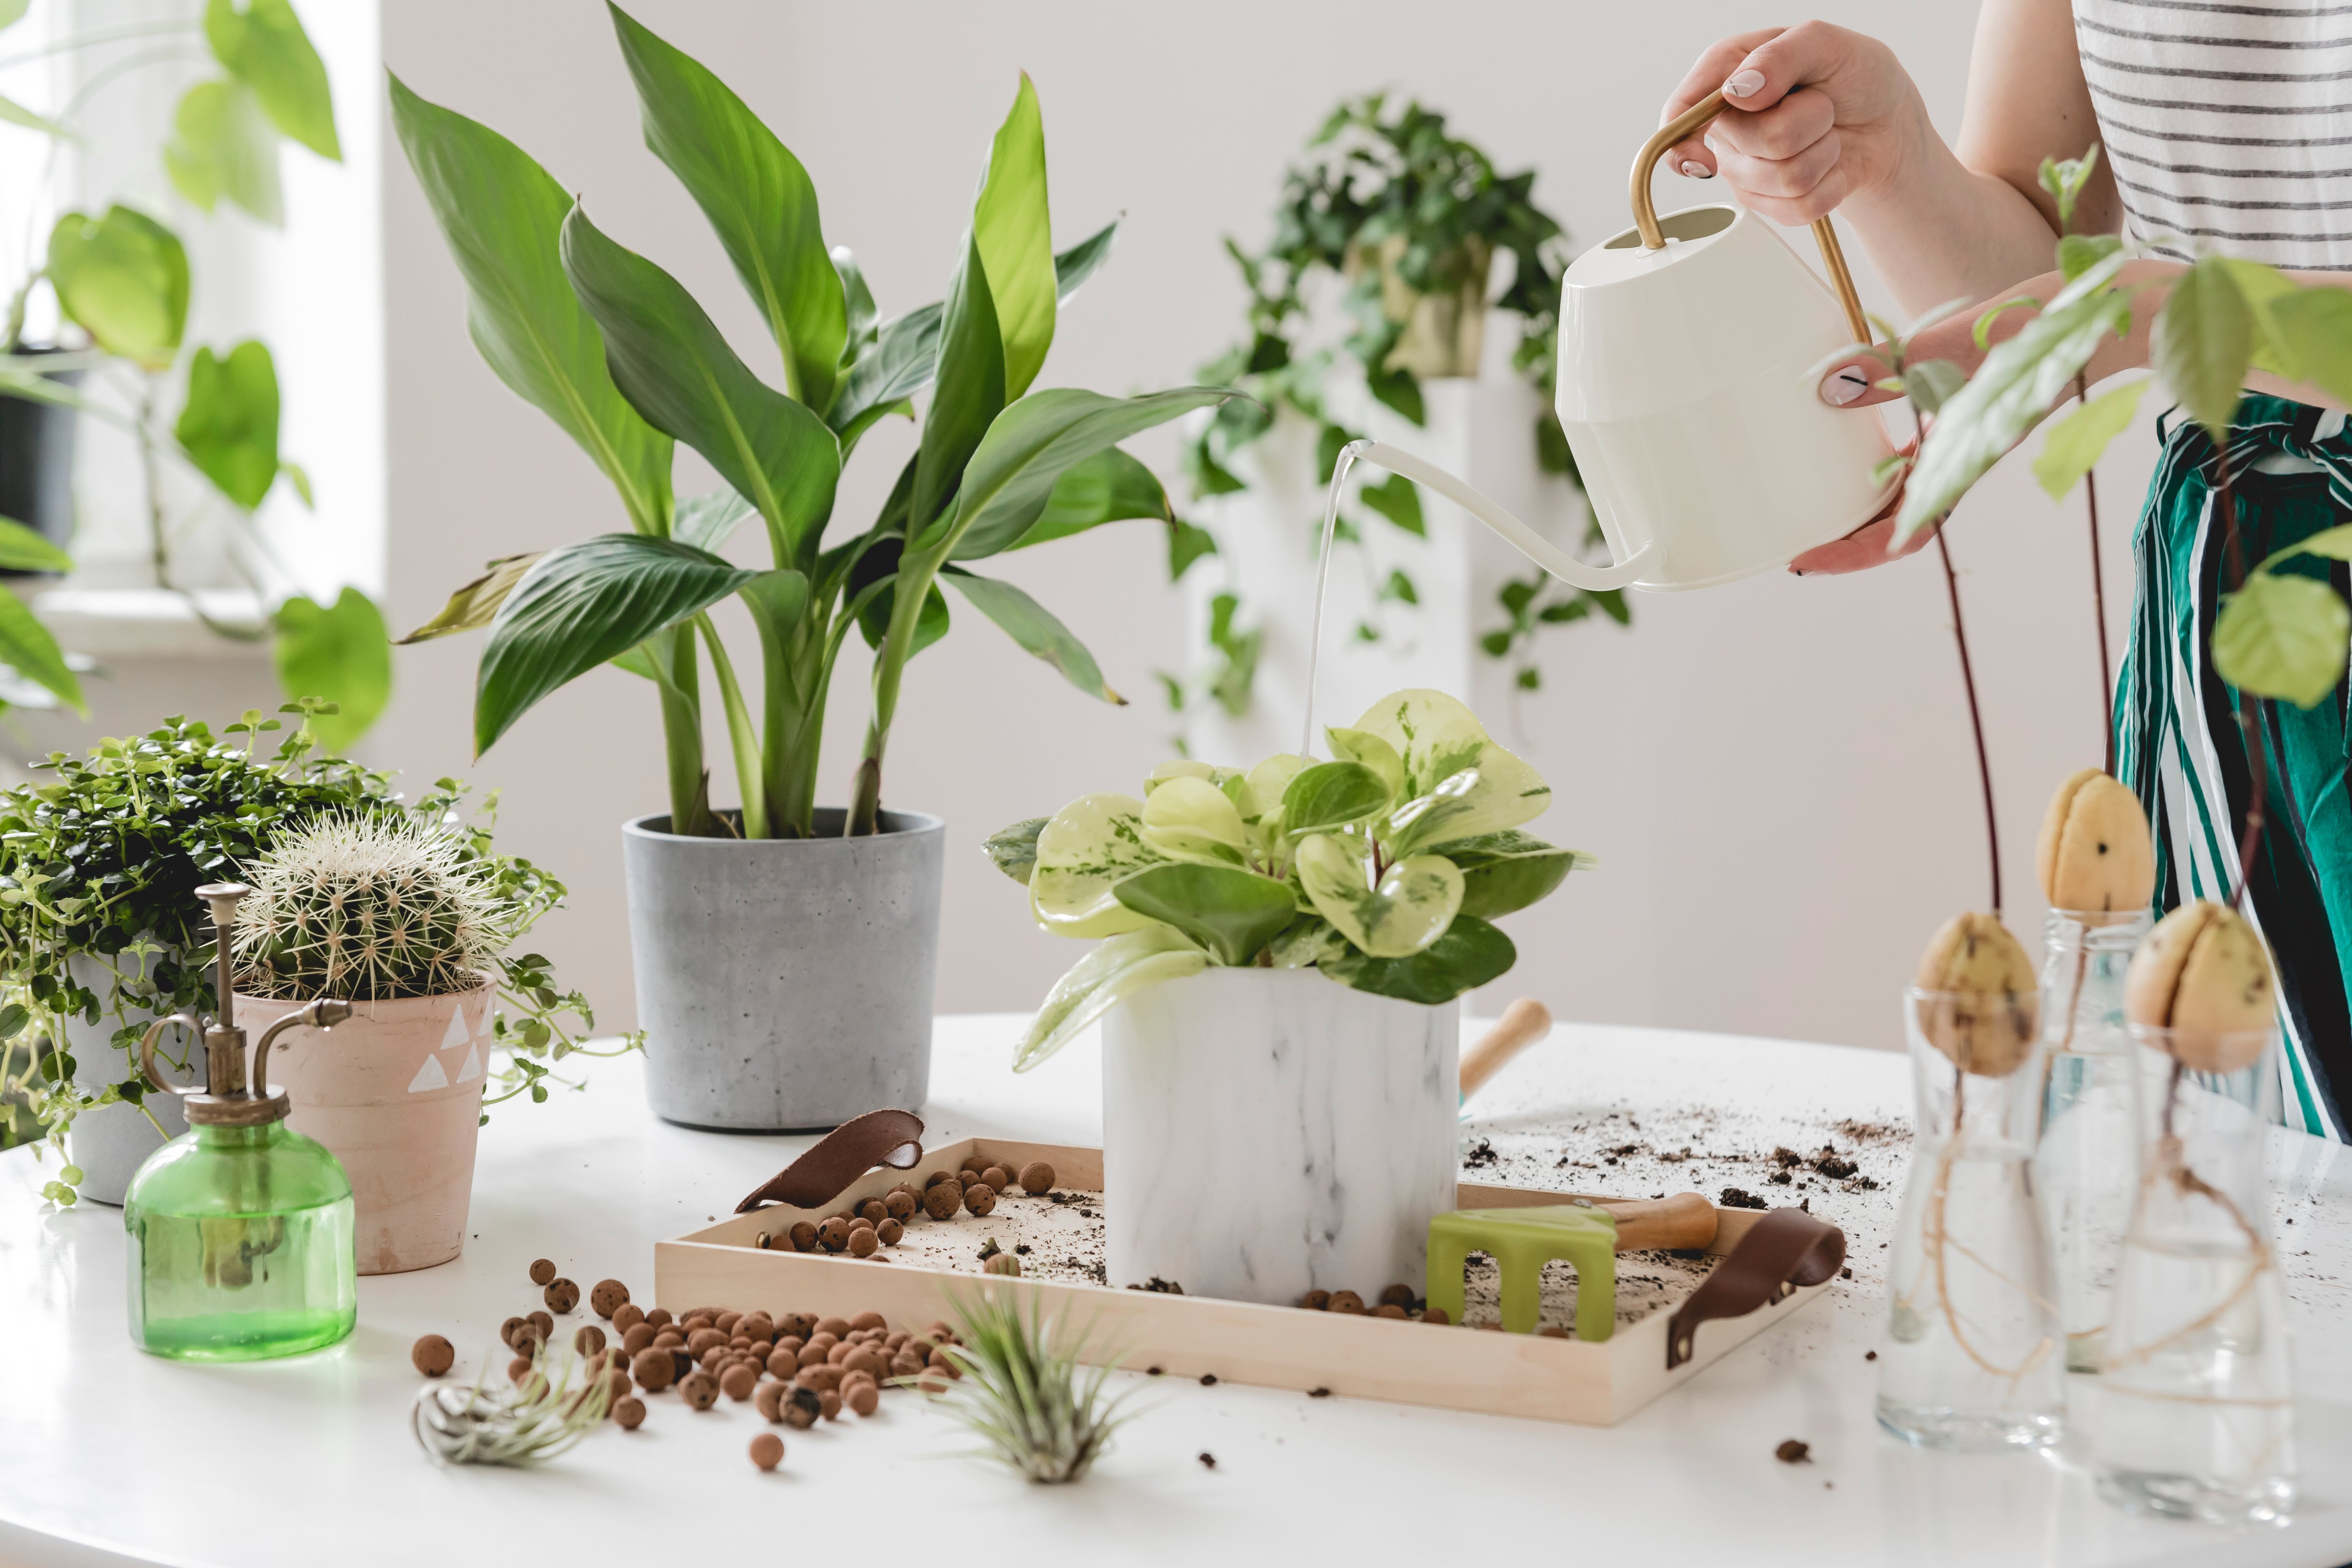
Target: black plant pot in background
pixel 37 459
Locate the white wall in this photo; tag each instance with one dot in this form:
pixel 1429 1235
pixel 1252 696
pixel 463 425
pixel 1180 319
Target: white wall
pixel 1776 775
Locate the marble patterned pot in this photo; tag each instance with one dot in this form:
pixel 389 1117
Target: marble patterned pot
pixel 394 1092
pixel 1269 1132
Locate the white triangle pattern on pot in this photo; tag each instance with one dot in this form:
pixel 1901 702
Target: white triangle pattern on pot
pixel 458 1034
pixel 429 1075
pixel 473 1067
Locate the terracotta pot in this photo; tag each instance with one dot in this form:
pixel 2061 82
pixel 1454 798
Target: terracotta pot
pixel 396 1093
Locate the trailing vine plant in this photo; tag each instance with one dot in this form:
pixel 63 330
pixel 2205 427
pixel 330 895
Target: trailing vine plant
pixel 1410 219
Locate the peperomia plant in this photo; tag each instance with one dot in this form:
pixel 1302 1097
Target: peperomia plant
pixel 616 350
pixel 1381 868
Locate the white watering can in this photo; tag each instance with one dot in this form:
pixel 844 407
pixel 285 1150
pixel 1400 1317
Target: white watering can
pixel 1689 350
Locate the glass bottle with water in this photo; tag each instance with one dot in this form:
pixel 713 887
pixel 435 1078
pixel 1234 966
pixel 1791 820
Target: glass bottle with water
pixel 2195 1410
pixel 1972 1356
pixel 2086 1164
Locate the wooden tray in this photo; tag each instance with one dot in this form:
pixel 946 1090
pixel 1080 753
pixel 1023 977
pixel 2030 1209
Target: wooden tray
pixel 1239 1341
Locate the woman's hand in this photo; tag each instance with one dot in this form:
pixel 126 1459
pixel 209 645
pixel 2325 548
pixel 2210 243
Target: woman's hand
pixel 1853 384
pixel 1814 116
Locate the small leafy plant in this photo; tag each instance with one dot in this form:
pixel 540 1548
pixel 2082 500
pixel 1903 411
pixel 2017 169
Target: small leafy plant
pixel 615 350
pixel 1024 1393
pixel 1382 868
pixel 1410 218
pixel 123 279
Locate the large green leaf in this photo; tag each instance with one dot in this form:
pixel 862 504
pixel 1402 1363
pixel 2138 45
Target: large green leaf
pixel 27 647
pixel 757 196
pixel 1110 487
pixel 906 351
pixel 1468 955
pixel 339 652
pixel 2011 389
pixel 2075 443
pixel 24 550
pixel 905 355
pixel 1015 239
pixel 1193 819
pixel 669 360
pixel 971 391
pixel 2309 331
pixel 1035 627
pixel 1114 970
pixel 1013 850
pixel 708 521
pixel 1084 851
pixel 502 215
pixel 861 318
pixel 229 425
pixel 13 12
pixel 2282 634
pixel 1438 741
pixel 1231 912
pixel 1034 442
pixel 476 605
pixel 222 145
pixel 581 604
pixel 2204 343
pixel 1333 794
pixel 264 47
pixel 1408 907
pixel 1505 871
pixel 1073 267
pixel 124 279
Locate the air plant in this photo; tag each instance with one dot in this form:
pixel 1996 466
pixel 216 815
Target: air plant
pixel 1023 1392
pixel 517 1424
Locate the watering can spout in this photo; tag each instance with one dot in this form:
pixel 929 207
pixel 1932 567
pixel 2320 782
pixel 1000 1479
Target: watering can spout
pixel 1526 540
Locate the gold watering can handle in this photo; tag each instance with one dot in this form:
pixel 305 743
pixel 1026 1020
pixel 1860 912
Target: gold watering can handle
pixel 1645 212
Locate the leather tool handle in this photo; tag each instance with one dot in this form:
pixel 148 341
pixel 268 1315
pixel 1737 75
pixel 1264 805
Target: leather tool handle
pixel 892 1138
pixel 1785 1249
pixel 1523 1023
pixel 1684 1221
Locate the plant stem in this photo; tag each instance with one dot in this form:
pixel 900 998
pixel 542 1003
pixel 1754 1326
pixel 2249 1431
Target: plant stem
pixel 681 710
pixel 2099 602
pixel 916 574
pixel 1976 717
pixel 2251 723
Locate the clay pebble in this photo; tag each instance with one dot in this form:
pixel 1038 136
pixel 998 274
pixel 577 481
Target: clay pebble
pixel 1036 1178
pixel 630 1412
pixel 607 1296
pixel 767 1450
pixel 542 1271
pixel 433 1356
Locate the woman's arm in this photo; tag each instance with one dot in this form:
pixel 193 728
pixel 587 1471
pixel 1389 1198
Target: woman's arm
pixel 1822 118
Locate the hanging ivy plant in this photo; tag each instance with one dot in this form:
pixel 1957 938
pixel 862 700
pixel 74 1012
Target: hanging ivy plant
pixel 1413 220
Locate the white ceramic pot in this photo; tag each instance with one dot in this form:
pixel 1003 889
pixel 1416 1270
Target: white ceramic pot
pixel 1267 1131
pixel 109 1143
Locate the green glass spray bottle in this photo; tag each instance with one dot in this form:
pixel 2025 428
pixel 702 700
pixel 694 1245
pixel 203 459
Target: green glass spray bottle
pixel 240 1229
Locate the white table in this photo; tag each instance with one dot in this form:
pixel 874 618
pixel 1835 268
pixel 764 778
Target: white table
pixel 106 1451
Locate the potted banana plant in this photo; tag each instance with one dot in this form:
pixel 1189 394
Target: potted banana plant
pixel 785 951
pixel 1282 953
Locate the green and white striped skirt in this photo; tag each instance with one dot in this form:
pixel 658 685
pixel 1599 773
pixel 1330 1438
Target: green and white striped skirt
pixel 2181 746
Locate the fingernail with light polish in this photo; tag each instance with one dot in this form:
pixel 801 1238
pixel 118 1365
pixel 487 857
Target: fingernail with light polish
pixel 1743 83
pixel 1694 170
pixel 1843 384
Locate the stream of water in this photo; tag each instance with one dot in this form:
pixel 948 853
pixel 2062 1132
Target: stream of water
pixel 1322 587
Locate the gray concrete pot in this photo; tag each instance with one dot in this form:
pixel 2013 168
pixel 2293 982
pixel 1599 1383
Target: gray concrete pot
pixel 785 984
pixel 109 1143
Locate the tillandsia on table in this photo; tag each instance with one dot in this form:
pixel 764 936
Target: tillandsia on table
pixel 123 278
pixel 1382 868
pixel 488 1424
pixel 1024 1393
pixel 1412 217
pixel 614 350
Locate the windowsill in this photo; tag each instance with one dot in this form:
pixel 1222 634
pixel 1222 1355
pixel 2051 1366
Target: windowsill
pixel 148 623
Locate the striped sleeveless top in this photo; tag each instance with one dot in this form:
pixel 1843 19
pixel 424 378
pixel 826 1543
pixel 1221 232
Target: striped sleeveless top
pixel 2227 123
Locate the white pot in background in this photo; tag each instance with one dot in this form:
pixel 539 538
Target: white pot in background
pixel 1269 1132
pixel 109 1143
pixel 1482 430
